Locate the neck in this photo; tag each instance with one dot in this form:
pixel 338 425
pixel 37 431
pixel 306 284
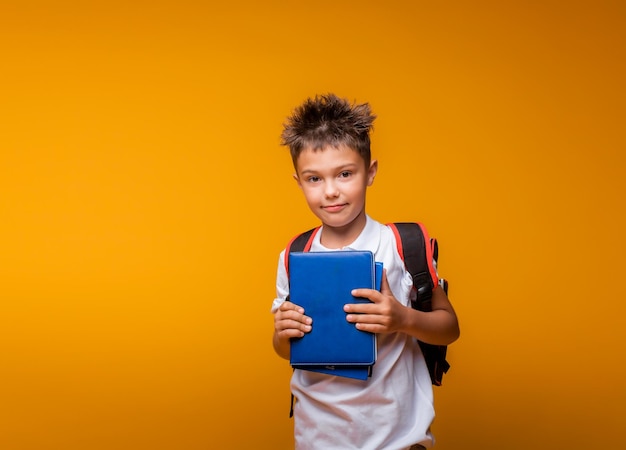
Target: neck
pixel 339 237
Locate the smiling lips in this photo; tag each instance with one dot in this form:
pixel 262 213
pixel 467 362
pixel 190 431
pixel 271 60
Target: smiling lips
pixel 334 208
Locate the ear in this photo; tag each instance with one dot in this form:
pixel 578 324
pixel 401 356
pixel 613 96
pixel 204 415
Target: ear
pixel 295 177
pixel 371 173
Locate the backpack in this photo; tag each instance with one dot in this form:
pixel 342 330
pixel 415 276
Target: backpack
pixel 418 252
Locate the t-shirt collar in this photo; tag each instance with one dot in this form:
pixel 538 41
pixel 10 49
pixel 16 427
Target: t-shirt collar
pixel 369 239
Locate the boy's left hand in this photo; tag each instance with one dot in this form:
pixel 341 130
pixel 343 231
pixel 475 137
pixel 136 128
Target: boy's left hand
pixel 384 315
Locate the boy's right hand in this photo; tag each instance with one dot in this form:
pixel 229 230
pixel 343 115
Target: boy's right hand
pixel 290 321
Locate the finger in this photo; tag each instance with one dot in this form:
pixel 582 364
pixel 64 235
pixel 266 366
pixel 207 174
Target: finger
pixel 289 306
pixel 364 317
pixel 369 294
pixel 293 315
pixel 288 324
pixel 374 323
pixel 384 285
pixel 290 311
pixel 360 308
pixel 291 333
pixel 371 327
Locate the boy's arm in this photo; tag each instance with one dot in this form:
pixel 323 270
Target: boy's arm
pixel 439 326
pixel 385 315
pixel 289 318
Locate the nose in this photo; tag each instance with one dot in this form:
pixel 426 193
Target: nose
pixel 331 190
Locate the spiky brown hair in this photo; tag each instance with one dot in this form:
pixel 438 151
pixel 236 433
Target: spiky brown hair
pixel 328 120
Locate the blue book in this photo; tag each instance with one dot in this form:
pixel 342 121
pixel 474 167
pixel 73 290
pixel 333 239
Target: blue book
pixel 321 282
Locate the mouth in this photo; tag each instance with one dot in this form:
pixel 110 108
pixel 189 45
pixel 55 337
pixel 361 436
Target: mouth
pixel 334 208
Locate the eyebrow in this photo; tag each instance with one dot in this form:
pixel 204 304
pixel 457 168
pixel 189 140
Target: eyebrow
pixel 336 169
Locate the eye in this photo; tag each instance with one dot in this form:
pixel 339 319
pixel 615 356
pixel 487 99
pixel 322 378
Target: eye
pixel 345 174
pixel 313 179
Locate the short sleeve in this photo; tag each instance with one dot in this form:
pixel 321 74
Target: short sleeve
pixel 282 283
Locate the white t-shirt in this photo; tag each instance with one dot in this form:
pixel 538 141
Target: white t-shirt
pixel 393 409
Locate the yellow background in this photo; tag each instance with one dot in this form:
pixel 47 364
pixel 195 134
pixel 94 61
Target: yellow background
pixel 144 198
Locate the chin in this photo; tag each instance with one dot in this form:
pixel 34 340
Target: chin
pixel 338 223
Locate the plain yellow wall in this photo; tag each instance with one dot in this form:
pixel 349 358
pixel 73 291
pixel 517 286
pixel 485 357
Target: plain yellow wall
pixel 144 199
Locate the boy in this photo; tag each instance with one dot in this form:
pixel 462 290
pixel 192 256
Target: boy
pixel 330 147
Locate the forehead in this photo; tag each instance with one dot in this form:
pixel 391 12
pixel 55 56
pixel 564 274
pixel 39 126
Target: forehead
pixel 327 158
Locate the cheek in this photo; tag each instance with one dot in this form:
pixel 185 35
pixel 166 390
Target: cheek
pixel 356 191
pixel 309 195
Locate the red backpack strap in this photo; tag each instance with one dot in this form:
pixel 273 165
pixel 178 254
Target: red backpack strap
pixel 432 253
pixel 418 251
pixel 300 243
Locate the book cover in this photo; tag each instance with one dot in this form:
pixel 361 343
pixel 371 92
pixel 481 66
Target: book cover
pixel 321 282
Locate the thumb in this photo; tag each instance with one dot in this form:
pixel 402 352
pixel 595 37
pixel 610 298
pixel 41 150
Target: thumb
pixel 384 284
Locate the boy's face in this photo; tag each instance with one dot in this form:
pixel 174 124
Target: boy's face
pixel 334 182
